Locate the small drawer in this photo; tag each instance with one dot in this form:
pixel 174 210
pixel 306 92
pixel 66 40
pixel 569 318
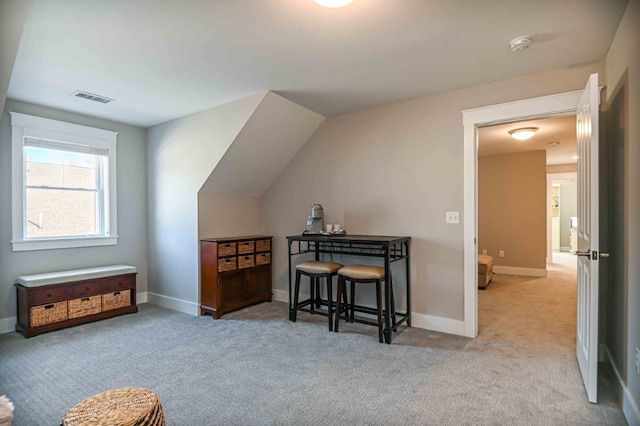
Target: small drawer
pixel 263 258
pixel 44 296
pixel 88 288
pixel 246 261
pixel 84 306
pixel 246 247
pixel 122 282
pixel 263 245
pixel 226 264
pixel 226 249
pixel 116 299
pixel 47 314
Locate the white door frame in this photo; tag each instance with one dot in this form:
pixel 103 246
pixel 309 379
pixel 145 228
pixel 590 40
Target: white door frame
pixel 546 106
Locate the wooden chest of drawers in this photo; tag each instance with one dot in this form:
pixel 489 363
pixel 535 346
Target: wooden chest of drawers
pixel 43 308
pixel 235 273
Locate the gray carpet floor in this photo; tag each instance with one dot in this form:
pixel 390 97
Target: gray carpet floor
pixel 253 367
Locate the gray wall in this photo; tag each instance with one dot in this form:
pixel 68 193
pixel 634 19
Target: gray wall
pixel 181 155
pixel 397 169
pixel 568 208
pixel 13 14
pixel 206 173
pixel 623 68
pixel 132 213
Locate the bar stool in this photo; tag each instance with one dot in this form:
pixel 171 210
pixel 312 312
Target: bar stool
pixel 363 274
pixel 316 270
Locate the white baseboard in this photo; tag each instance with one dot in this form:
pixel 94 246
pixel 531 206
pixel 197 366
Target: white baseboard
pixel 280 295
pixel 7 325
pixel 141 297
pixel 428 322
pixel 179 305
pixel 440 324
pixel 629 406
pixel 512 270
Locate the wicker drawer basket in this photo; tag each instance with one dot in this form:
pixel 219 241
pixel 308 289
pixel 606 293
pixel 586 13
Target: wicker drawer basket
pixel 47 314
pixel 226 249
pixel 263 258
pixel 246 261
pixel 263 245
pixel 84 306
pixel 226 264
pixel 115 300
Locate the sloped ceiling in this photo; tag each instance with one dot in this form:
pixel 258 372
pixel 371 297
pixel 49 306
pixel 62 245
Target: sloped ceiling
pixel 272 136
pixel 164 59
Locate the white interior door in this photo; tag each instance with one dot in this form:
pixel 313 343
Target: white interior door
pixel 588 237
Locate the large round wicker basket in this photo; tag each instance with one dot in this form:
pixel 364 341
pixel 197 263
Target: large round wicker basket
pixel 121 407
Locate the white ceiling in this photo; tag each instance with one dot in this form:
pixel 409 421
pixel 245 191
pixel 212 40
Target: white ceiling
pixel 163 59
pixel 495 140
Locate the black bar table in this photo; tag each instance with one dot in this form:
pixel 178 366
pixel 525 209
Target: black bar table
pixel 391 249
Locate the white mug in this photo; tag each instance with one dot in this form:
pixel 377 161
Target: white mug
pixel 337 227
pixel 328 228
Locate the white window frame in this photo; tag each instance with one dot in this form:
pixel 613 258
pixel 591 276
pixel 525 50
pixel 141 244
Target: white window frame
pixel 24 125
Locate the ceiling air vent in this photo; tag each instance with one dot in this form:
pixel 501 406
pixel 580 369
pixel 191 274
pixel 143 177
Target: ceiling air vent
pixel 92 97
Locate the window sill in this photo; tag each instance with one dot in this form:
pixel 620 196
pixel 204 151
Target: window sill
pixel 62 243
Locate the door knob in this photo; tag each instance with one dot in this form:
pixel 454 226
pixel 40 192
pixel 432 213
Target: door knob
pixel 604 254
pixel 584 253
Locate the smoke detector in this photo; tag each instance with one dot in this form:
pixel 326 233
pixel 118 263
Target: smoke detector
pixel 554 144
pixel 520 43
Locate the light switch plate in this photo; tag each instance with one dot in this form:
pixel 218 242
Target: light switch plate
pixel 453 217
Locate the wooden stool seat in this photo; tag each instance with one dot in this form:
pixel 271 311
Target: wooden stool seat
pixel 316 267
pixel 122 407
pixel 316 270
pixel 362 272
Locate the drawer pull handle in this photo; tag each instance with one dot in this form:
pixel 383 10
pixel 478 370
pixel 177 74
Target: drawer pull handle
pixel 117 293
pixel 227 260
pixel 227 245
pixel 246 258
pixel 48 306
pixel 48 294
pixel 86 299
pixel 87 289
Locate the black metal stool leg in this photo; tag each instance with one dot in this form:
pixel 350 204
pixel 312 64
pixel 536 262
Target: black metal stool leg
pixel 393 308
pixel 318 294
pixel 295 297
pixel 341 289
pixel 379 303
pixel 330 302
pixel 353 300
pixel 312 292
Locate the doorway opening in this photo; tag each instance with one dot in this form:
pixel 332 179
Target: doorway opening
pixel 527 203
pixel 547 106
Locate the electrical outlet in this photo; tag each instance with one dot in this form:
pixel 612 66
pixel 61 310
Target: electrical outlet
pixel 501 253
pixel 452 217
pixel 637 360
pixel 484 252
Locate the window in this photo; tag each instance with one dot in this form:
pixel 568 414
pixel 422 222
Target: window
pixel 63 184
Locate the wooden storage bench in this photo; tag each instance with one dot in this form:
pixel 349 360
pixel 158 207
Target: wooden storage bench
pixel 57 300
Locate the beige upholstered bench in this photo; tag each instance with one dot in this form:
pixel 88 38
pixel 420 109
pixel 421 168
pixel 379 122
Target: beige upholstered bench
pixel 485 270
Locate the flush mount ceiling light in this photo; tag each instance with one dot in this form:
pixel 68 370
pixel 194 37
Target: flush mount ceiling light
pixel 523 133
pixel 333 3
pixel 554 144
pixel 519 43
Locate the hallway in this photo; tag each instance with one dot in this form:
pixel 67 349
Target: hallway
pixel 536 317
